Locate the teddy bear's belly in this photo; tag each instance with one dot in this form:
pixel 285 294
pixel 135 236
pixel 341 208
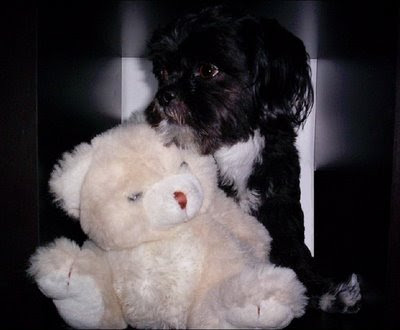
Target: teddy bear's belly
pixel 157 284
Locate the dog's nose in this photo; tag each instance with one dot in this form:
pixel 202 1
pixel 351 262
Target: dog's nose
pixel 166 97
pixel 181 199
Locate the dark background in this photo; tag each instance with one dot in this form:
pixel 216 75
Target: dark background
pixel 61 85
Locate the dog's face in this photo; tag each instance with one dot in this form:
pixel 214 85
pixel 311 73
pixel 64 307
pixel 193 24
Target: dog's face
pixel 222 75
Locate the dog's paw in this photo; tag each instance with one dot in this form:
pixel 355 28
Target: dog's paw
pixel 344 298
pixel 52 266
pixel 268 314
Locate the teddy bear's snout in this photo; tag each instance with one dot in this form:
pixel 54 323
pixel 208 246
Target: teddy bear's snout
pixel 173 200
pixel 181 199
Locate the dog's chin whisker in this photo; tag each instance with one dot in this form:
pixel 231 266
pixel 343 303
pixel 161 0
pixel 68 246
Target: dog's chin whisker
pixel 154 107
pixel 181 135
pixel 179 118
pixel 175 116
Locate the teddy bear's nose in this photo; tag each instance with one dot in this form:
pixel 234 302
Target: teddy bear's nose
pixel 181 199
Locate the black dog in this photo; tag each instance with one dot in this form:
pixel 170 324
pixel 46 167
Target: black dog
pixel 238 87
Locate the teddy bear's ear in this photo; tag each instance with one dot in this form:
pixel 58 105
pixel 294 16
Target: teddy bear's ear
pixel 67 178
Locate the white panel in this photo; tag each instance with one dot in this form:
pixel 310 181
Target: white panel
pixel 305 144
pixel 139 87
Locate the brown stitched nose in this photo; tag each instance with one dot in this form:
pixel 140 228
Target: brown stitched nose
pixel 181 199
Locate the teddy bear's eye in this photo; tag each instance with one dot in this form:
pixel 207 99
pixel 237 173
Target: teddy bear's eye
pixel 134 197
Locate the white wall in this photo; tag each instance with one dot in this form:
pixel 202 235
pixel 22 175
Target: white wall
pixel 305 144
pixel 139 87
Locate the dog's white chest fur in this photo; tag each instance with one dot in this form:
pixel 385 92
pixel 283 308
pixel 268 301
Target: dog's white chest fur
pixel 236 163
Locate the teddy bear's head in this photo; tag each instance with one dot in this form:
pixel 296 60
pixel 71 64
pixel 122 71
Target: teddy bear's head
pixel 127 188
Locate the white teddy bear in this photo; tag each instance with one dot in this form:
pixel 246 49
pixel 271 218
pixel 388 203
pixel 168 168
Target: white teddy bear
pixel 166 248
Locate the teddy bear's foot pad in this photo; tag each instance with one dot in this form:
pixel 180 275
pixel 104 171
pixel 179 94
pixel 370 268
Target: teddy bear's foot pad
pixel 269 314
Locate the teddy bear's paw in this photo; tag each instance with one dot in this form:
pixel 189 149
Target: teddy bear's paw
pixel 56 284
pixel 51 267
pixel 83 307
pixel 268 314
pixel 264 282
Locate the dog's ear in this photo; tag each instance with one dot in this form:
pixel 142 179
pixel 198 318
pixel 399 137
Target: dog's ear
pixel 282 73
pixel 67 178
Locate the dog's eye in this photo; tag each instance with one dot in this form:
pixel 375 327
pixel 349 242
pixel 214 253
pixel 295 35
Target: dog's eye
pixel 208 71
pixel 134 197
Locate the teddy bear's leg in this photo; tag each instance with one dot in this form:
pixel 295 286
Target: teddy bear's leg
pixel 78 281
pixel 263 296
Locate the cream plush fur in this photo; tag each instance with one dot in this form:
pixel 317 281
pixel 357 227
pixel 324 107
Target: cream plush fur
pixel 166 248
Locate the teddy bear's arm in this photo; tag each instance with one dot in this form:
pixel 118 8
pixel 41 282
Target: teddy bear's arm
pixel 79 282
pixel 245 227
